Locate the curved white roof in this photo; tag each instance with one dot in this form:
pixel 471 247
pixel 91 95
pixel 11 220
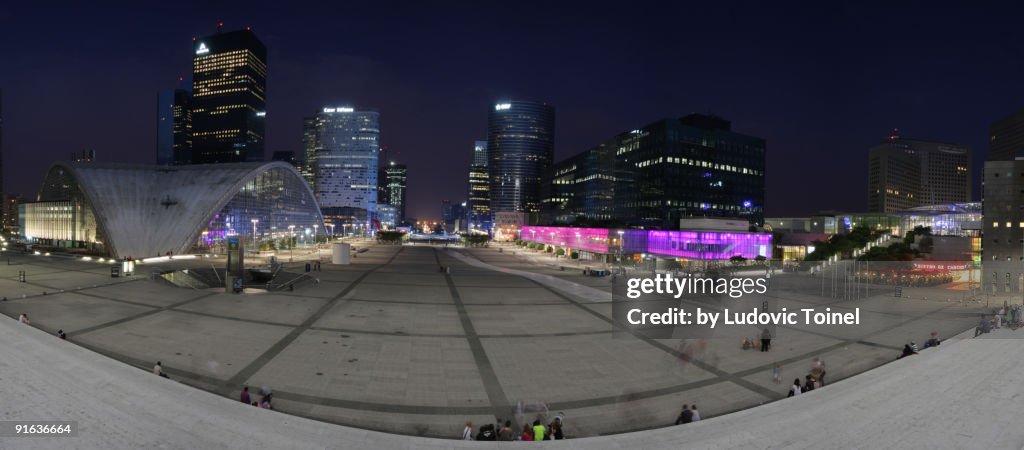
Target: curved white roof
pixel 146 210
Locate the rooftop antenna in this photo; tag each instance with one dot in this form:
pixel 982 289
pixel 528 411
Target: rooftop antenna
pixel 220 24
pixel 895 135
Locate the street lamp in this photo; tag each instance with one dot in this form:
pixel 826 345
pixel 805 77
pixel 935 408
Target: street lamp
pixel 291 242
pixel 255 244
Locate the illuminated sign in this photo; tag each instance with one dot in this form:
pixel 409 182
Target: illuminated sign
pixel 341 110
pixel 203 49
pixel 502 106
pixel 261 114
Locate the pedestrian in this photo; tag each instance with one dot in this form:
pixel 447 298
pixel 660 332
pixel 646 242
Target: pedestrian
pixel 487 433
pixel 556 430
pixel 696 414
pixel 506 434
pixel 795 388
pixel 538 430
pixel 158 370
pixel 777 374
pixel 933 341
pixel 809 384
pixel 467 432
pixel 685 416
pixel 984 327
pixel 913 346
pixel 23 318
pixel 316 282
pixel 766 340
pixel 61 334
pixel 245 395
pixel 527 433
pixel 907 351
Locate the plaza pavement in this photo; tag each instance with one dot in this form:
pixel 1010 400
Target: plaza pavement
pixel 390 343
pixel 959 395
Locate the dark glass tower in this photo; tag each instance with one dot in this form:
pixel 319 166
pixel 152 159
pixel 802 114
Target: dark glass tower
pixel 520 146
pixel 395 176
pixel 478 204
pixel 229 72
pixel 174 127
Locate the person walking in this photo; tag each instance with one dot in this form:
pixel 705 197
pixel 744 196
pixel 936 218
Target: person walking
pixel 777 374
pixel 245 395
pixel 766 340
pixel 467 432
pixel 795 388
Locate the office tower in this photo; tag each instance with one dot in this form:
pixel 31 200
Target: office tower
pixel 229 73
pixel 348 142
pixel 86 155
pixel 653 176
pixel 580 189
pixel 694 166
pixel 309 146
pixel 287 156
pixel 174 127
pixel 1006 138
pixel 907 173
pixel 1003 228
pixel 520 146
pixel 478 207
pixel 446 212
pixel 395 187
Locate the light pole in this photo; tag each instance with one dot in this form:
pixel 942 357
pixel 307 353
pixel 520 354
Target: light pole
pixel 255 243
pixel 291 242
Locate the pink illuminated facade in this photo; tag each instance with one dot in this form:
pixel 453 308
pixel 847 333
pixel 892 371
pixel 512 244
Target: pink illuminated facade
pixel 697 245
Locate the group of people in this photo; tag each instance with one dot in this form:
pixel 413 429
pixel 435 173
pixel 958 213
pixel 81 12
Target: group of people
pixel 502 431
pixel 688 414
pixel 813 380
pixel 766 342
pixel 264 400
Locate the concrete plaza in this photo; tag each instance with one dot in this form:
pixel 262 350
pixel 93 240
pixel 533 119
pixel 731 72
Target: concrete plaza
pixel 390 343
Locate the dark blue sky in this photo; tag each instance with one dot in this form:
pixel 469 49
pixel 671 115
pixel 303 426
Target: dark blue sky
pixel 821 81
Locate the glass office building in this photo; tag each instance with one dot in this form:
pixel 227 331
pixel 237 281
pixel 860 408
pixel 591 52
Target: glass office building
pixel 520 147
pixel 348 146
pixel 229 78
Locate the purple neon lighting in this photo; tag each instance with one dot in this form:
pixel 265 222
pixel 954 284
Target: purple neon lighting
pixel 702 245
pixel 588 239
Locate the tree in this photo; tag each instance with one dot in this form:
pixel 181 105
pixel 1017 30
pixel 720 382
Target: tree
pixel 737 260
pixel 760 259
pixel 574 255
pixel 560 252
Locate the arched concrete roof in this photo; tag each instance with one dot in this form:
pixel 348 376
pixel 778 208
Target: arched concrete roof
pixel 148 210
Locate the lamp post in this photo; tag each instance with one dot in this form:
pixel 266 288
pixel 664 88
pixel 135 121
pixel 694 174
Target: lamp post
pixel 291 242
pixel 255 243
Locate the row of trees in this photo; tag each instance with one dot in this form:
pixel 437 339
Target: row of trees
pixel 547 248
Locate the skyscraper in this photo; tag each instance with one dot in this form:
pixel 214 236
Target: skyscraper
pixel 694 166
pixel 1006 138
pixel 907 173
pixel 395 186
pixel 174 127
pixel 348 142
pixel 478 207
pixel 309 146
pixel 229 72
pixel 2 191
pixel 520 146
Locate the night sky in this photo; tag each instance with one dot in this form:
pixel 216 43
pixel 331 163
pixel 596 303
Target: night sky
pixel 821 81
